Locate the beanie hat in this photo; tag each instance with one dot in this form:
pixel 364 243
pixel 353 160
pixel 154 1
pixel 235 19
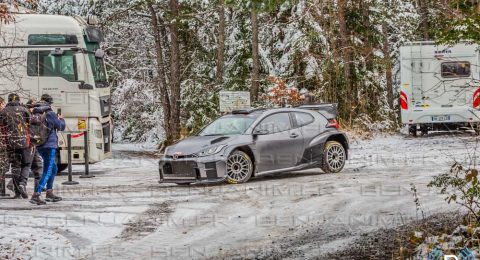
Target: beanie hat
pixel 13 97
pixel 47 98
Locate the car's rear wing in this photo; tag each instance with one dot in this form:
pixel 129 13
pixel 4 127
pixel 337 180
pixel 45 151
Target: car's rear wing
pixel 328 110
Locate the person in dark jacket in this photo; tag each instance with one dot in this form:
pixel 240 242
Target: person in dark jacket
pixel 48 151
pixel 15 117
pixel 37 161
pixel 4 160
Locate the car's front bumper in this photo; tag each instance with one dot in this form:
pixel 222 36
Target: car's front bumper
pixel 192 170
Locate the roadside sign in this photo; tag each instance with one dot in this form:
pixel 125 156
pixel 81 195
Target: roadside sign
pixel 231 100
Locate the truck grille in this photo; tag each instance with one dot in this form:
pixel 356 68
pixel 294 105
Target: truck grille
pixel 181 168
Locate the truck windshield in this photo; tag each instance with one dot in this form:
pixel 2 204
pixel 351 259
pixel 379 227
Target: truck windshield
pixel 98 66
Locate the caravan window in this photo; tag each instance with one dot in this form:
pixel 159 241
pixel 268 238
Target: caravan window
pixel 44 64
pixel 456 69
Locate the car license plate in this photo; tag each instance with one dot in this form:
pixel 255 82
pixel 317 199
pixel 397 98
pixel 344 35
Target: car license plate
pixel 440 118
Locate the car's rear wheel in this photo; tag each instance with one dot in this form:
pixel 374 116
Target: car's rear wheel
pixel 334 157
pixel 239 167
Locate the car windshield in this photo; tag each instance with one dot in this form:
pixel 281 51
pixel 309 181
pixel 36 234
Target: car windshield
pixel 229 125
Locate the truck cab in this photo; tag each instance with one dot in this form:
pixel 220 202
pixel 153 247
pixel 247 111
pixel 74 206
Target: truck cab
pixel 61 56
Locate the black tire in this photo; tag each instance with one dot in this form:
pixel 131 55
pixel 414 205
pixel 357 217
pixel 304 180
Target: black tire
pixel 424 130
pixel 412 130
pixel 334 157
pixel 239 167
pixel 62 167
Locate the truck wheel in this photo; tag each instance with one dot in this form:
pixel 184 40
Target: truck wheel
pixel 412 130
pixel 424 130
pixel 62 167
pixel 334 157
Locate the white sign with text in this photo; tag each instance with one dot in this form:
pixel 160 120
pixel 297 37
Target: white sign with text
pixel 231 100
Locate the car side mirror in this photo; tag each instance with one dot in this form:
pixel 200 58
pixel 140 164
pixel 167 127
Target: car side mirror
pixel 260 132
pixel 84 85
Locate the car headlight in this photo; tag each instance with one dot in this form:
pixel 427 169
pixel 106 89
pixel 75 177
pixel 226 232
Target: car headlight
pixel 166 151
pixel 212 150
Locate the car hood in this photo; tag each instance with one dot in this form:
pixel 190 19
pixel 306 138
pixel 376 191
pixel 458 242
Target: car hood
pixel 196 144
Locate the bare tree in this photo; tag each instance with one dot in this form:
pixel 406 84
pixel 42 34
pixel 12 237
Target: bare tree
pixel 221 42
pixel 175 73
pixel 161 81
pixel 345 49
pixel 423 6
pixel 388 64
pixel 255 56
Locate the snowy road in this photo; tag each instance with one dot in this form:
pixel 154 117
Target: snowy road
pixel 124 213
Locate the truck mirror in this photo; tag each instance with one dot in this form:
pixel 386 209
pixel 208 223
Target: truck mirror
pixel 81 67
pixel 84 85
pixel 99 54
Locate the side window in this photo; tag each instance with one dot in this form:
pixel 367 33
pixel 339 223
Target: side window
pixel 44 64
pixel 275 123
pixel 303 118
pixel 455 69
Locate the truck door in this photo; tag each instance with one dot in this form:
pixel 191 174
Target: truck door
pixel 57 75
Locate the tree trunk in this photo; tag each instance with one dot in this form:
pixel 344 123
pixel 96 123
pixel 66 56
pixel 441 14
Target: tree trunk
pixel 221 42
pixel 346 54
pixel 255 56
pixel 175 73
pixel 388 65
pixel 423 5
pixel 161 80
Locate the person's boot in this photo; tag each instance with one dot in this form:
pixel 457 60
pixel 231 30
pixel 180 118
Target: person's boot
pixel 17 195
pixel 22 190
pixel 52 197
pixel 36 199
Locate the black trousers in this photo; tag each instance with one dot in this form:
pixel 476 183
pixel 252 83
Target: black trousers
pixel 21 162
pixel 37 167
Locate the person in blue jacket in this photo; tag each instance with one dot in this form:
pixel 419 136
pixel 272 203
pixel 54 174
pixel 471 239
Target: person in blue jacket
pixel 48 151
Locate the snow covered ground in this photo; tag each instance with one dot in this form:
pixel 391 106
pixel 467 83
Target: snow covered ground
pixel 123 212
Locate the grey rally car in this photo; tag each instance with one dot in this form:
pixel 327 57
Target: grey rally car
pixel 254 142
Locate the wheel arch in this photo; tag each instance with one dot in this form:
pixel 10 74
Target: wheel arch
pixel 246 149
pixel 341 138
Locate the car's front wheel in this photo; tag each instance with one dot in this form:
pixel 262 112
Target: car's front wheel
pixel 239 167
pixel 334 157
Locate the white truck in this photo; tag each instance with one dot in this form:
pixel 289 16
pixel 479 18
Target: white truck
pixel 61 56
pixel 440 87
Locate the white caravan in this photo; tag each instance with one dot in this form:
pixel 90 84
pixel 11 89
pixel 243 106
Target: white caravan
pixel 440 87
pixel 61 56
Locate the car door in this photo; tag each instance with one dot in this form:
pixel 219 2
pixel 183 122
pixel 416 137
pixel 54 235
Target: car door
pixel 310 129
pixel 277 144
